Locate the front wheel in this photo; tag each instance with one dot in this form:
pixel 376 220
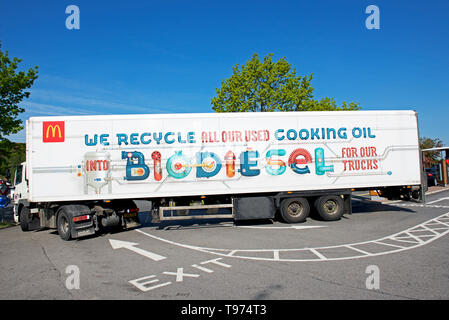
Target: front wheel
pixel 25 218
pixel 64 226
pixel 330 207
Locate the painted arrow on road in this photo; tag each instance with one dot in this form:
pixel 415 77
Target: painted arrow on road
pixel 118 244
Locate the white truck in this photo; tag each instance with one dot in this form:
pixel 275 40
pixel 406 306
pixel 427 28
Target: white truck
pixel 82 173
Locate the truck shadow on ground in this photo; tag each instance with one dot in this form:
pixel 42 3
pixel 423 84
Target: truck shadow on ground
pixel 146 221
pixel 362 206
pixel 191 224
pixel 100 233
pixel 368 206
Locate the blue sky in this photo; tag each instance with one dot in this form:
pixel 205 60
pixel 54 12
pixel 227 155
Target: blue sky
pixel 170 56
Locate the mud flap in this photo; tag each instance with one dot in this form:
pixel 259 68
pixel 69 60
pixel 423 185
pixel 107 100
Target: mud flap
pixel 82 231
pixel 32 218
pixel 82 228
pixel 131 219
pixel 34 223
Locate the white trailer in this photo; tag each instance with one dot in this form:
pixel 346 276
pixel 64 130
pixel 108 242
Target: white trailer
pixel 82 172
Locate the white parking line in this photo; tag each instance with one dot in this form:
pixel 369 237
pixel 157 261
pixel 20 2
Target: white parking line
pixel 389 244
pixel 282 228
pixel 441 199
pixel 412 235
pixel 421 205
pixel 357 249
pixel 319 255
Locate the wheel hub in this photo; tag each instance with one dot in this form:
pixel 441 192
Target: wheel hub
pixel 294 209
pixel 330 206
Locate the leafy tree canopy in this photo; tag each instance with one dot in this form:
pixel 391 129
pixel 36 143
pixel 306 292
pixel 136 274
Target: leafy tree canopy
pixel 13 85
pixel 430 157
pixel 270 86
pixel 11 155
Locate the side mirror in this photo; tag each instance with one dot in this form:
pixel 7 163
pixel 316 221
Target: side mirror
pixel 8 174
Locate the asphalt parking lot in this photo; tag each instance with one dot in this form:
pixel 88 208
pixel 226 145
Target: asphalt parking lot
pixel 393 250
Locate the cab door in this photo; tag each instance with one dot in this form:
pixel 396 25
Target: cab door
pixel 19 194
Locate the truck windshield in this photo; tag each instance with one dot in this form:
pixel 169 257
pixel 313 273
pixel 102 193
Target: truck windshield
pixel 18 175
pixel 3 188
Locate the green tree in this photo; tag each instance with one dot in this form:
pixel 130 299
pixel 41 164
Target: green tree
pixel 270 86
pixel 11 155
pixel 430 157
pixel 13 89
pixel 13 85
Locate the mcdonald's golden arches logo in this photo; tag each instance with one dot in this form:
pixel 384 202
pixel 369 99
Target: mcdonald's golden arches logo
pixel 53 131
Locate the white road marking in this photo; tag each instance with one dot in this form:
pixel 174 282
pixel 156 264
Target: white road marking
pixel 216 261
pixel 118 244
pixel 433 231
pixel 180 274
pixel 319 255
pixel 282 228
pixel 232 252
pixel 436 191
pixel 421 205
pixel 357 249
pixel 402 239
pixel 411 235
pixel 202 268
pixel 141 283
pixel 441 199
pixel 388 244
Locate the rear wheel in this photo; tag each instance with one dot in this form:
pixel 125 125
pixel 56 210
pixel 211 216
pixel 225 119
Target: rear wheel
pixel 294 210
pixel 330 207
pixel 64 226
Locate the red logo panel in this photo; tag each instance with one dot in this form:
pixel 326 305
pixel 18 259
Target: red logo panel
pixel 53 131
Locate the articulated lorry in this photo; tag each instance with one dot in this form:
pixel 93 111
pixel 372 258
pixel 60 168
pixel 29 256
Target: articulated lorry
pixel 83 173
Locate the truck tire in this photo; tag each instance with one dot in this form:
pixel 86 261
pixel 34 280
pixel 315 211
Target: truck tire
pixel 25 218
pixel 294 210
pixel 330 207
pixel 64 225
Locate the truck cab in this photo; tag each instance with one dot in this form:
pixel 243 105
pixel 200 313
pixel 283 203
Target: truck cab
pixel 72 220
